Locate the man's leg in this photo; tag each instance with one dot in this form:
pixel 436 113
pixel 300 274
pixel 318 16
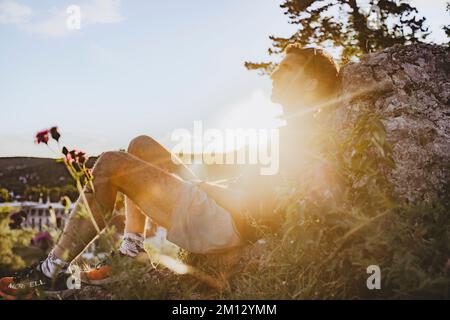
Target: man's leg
pixel 151 151
pixel 152 189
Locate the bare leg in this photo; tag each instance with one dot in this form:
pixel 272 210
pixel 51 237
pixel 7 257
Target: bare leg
pixel 149 150
pixel 148 186
pixel 135 219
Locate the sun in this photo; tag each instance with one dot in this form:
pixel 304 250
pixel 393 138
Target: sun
pixel 253 112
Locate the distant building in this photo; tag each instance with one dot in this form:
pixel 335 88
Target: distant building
pixel 38 215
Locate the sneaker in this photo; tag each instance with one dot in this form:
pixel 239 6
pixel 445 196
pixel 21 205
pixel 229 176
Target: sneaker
pixel 101 273
pixel 31 281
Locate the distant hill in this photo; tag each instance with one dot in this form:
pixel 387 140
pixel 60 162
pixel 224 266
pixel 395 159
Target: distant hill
pixel 17 173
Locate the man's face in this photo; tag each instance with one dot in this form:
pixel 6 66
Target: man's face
pixel 290 85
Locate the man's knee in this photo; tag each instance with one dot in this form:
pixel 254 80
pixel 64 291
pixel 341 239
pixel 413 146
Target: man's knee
pixel 142 143
pixel 108 162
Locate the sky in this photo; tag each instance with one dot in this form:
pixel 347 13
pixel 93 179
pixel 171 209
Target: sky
pixel 138 67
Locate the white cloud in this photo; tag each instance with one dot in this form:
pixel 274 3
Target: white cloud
pixel 14 13
pixel 54 24
pixel 54 21
pixel 101 11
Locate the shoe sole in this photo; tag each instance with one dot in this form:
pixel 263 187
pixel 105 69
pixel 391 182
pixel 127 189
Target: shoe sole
pixel 142 258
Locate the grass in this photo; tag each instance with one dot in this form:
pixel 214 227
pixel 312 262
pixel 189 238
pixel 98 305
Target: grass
pixel 332 230
pixel 317 258
pixel 328 239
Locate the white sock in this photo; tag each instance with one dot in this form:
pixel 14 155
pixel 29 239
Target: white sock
pixel 132 244
pixel 53 265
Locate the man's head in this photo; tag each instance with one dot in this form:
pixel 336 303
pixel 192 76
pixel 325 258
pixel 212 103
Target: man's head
pixel 305 77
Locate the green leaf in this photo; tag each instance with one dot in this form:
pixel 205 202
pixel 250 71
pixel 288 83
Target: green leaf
pixel 387 147
pixel 378 132
pixel 356 160
pixel 379 147
pixel 390 162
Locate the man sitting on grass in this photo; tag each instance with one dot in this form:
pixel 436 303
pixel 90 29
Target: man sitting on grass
pixel 200 217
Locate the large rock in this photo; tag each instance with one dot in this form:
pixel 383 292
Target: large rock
pixel 408 86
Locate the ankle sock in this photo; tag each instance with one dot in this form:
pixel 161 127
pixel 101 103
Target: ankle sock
pixel 132 244
pixel 53 265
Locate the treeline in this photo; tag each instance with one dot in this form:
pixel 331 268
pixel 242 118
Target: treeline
pixel 34 193
pixel 31 178
pixel 54 194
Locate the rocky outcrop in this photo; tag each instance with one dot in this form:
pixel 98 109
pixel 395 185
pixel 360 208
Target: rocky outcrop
pixel 409 87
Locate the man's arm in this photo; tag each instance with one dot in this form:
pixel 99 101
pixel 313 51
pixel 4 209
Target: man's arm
pixel 232 200
pixel 257 199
